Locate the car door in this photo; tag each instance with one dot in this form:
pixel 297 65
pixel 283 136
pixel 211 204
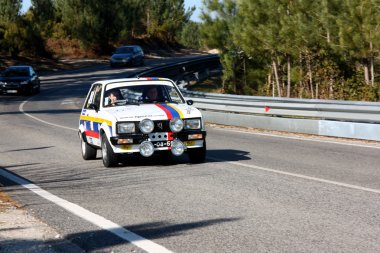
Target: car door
pixel 90 115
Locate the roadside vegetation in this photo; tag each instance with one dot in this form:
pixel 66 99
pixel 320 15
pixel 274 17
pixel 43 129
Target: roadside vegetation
pixel 324 49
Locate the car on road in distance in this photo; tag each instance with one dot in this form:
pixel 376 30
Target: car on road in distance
pixel 132 55
pixel 140 116
pixel 19 80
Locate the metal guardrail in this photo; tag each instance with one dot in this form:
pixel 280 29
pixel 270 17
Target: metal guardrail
pixel 350 119
pixel 365 112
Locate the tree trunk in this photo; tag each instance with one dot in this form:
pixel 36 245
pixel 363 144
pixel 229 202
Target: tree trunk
pixel 270 82
pixel 331 88
pixel 316 90
pixel 276 77
pixel 301 87
pixel 366 71
pixel 328 36
pixel 372 67
pixel 289 77
pixel 310 74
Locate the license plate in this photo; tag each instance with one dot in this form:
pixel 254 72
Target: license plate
pixel 189 143
pixel 160 144
pixel 11 91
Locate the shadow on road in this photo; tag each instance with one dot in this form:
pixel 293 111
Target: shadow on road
pixel 103 239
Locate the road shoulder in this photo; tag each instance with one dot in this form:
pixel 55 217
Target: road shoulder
pixel 22 232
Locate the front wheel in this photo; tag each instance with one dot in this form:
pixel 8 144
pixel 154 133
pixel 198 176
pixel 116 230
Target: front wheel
pixel 197 155
pixel 88 152
pixel 110 159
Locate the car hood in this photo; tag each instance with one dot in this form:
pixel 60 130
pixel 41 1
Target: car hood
pixel 121 55
pixel 14 79
pixel 153 112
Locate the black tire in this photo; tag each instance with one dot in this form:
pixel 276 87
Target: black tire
pixel 142 62
pixel 110 159
pixel 88 152
pixel 197 155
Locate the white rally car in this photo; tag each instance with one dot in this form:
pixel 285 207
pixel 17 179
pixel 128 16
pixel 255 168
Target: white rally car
pixel 140 115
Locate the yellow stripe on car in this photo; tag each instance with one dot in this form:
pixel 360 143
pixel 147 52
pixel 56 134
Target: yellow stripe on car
pixel 177 110
pixel 98 120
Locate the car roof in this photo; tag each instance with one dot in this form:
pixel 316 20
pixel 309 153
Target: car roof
pixel 19 66
pixel 121 80
pixel 129 46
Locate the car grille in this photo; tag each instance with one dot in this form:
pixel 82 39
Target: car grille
pixel 161 126
pixel 11 84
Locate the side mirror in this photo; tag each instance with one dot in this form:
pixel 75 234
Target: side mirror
pixel 94 107
pixel 190 102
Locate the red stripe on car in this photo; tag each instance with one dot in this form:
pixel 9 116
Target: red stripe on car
pixel 167 112
pixel 92 134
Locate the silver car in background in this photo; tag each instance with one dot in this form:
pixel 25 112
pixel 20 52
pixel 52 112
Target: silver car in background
pixel 132 55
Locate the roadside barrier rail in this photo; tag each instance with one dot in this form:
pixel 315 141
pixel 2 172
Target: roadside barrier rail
pixel 348 119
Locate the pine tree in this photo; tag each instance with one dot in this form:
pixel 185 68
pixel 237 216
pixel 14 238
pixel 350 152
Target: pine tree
pixel 10 10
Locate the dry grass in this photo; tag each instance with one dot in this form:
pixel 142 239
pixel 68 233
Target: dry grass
pixel 6 202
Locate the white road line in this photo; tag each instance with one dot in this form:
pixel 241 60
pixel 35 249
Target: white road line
pixel 21 109
pixel 95 219
pixel 298 176
pixel 298 138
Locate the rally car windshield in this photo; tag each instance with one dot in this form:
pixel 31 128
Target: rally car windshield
pixel 141 94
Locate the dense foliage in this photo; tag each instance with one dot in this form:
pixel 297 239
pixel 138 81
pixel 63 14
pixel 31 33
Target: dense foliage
pixel 324 49
pixel 99 25
pixel 313 49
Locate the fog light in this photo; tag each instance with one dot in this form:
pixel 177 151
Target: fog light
pixel 124 141
pixel 177 147
pixel 146 149
pixel 194 136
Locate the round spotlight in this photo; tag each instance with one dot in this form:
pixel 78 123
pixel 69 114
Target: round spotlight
pixel 177 147
pixel 146 149
pixel 176 125
pixel 146 126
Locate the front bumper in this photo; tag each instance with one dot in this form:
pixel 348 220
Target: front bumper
pixel 160 140
pixel 11 90
pixel 123 62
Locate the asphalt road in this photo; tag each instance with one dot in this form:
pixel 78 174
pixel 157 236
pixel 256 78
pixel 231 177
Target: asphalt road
pixel 255 193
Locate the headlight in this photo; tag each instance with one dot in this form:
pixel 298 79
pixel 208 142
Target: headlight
pixel 176 125
pixel 146 148
pixel 125 128
pixel 177 148
pixel 24 82
pixel 192 123
pixel 146 126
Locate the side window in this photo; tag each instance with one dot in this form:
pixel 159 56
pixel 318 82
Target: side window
pixel 98 94
pixel 94 97
pixel 175 97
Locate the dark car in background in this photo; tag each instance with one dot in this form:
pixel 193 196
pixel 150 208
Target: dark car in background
pixel 19 80
pixel 127 56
